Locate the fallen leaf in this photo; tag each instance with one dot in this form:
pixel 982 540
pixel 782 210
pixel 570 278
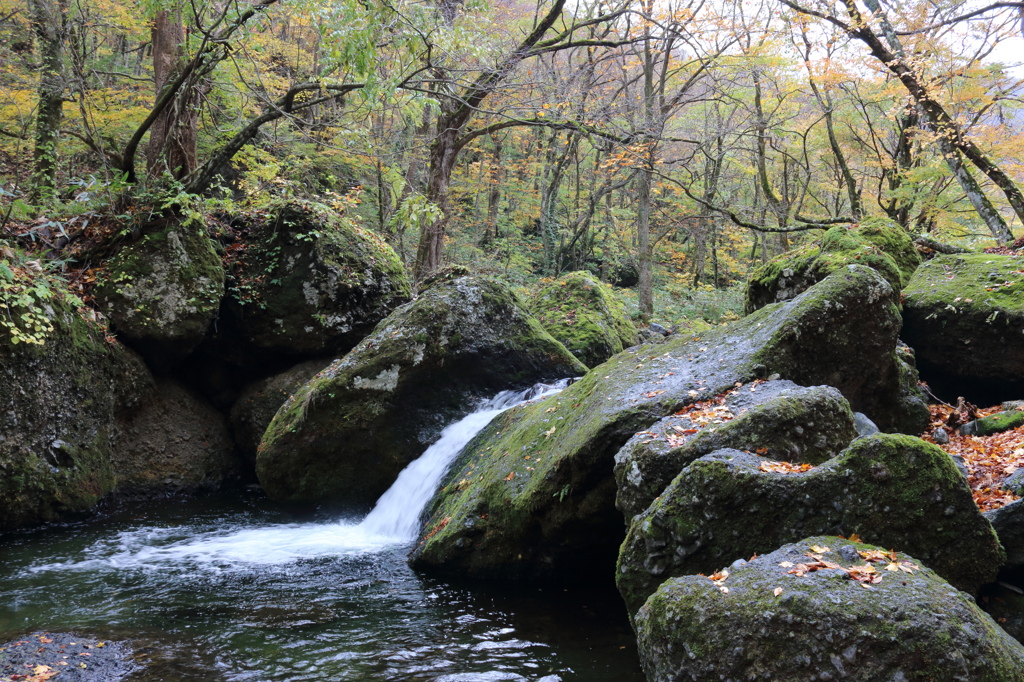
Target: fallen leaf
pixel 819 550
pixel 777 591
pixel 510 476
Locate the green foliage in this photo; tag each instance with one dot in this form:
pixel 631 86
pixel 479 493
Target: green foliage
pixel 28 289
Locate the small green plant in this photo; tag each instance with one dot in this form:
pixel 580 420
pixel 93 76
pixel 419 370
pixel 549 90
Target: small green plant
pixel 27 292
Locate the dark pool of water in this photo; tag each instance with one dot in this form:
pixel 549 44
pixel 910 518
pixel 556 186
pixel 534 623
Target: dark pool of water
pixel 230 587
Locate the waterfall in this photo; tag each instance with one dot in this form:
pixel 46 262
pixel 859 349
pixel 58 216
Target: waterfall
pixel 394 520
pixel 397 513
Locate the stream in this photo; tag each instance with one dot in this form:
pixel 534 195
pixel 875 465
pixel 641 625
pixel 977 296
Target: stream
pixel 232 587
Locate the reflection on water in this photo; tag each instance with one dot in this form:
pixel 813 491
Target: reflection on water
pixel 231 588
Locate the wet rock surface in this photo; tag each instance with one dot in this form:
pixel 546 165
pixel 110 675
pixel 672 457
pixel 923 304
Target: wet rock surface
pixel 896 491
pixel 346 434
pixel 769 620
pixel 533 495
pixel 64 656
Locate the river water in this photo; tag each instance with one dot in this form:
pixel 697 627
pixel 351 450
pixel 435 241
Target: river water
pixel 232 587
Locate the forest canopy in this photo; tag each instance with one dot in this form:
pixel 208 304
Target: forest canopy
pixel 669 145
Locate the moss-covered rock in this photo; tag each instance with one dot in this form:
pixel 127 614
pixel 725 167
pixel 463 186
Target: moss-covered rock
pixel 768 621
pixel 346 434
pixel 994 423
pixel 307 283
pixel 777 418
pixel 256 406
pixel 538 497
pixel 878 243
pixel 585 316
pixel 893 490
pixel 173 441
pixel 59 404
pixel 161 292
pixel 964 316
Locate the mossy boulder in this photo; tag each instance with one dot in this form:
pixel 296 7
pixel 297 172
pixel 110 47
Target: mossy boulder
pixel 778 419
pixel 994 423
pixel 161 292
pixel 1008 522
pixel 893 490
pixel 173 441
pixel 307 283
pixel 60 401
pixel 765 621
pixel 964 316
pixel 586 316
pixel 878 243
pixel 258 402
pixel 346 434
pixel 539 492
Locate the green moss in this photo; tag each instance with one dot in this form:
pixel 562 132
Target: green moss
pixel 878 243
pixel 893 490
pixel 997 423
pixel 586 316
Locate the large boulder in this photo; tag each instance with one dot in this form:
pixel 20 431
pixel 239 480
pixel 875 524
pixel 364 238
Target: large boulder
pixel 893 490
pixel 161 292
pixel 586 316
pixel 776 418
pixel 258 402
pixel 771 619
pixel 59 400
pixel 878 243
pixel 306 283
pixel 346 434
pixel 1008 522
pixel 534 494
pixel 173 441
pixel 964 316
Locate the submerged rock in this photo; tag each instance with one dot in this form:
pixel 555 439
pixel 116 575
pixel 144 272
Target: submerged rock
pixel 533 494
pixel 174 440
pixel 964 315
pixel 307 283
pixel 777 419
pixel 58 405
pixel 162 292
pixel 878 243
pixel 892 490
pixel 346 434
pixel 64 656
pixel 585 316
pixel 769 620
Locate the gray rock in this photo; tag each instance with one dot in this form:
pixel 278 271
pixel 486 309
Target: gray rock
pixel 505 516
pixel 58 406
pixel 1008 522
pixel 252 413
pixel 896 491
pixel 940 436
pixel 963 324
pixel 766 622
pixel 309 284
pixel 347 433
pixel 864 426
pixel 1015 482
pixel 162 292
pixel 174 440
pixel 777 418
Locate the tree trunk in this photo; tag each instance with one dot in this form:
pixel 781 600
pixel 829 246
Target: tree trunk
pixel 172 139
pixel 497 176
pixel 48 22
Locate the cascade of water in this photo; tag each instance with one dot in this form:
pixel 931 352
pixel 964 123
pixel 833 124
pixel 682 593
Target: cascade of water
pixel 394 520
pixel 397 513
